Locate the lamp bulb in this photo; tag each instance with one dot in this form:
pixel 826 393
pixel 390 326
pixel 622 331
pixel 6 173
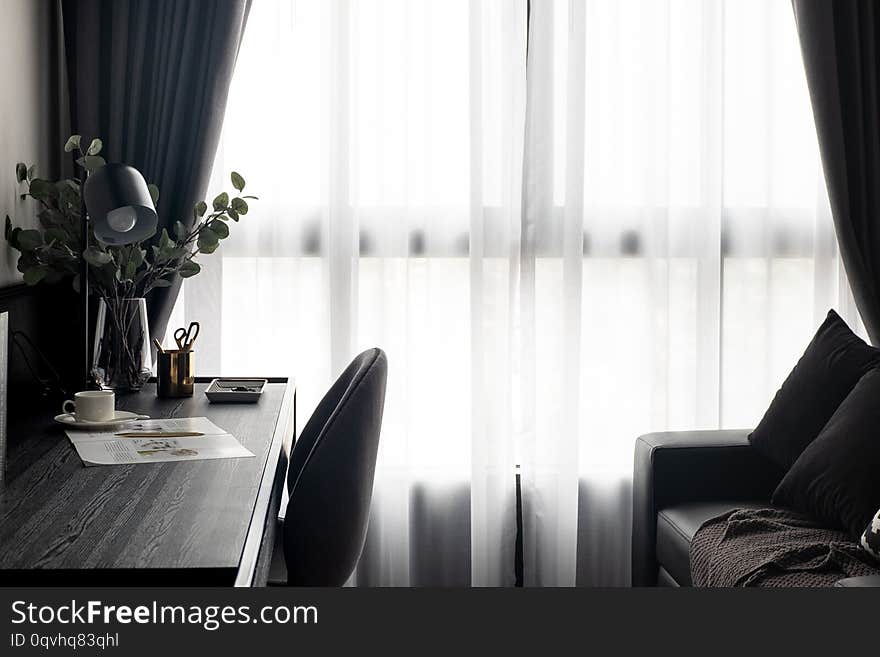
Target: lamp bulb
pixel 122 219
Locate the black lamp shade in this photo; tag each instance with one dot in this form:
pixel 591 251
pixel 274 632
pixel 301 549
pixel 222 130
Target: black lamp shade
pixel 119 203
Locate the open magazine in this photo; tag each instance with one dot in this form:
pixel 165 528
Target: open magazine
pixel 109 448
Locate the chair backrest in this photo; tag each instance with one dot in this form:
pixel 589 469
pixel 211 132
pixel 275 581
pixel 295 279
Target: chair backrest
pixel 330 478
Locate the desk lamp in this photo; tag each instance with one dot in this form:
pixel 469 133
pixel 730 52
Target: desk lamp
pixel 116 199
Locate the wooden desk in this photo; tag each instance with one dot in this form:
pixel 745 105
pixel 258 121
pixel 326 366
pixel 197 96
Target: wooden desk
pixel 159 524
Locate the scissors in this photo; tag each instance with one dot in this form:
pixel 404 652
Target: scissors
pixel 186 337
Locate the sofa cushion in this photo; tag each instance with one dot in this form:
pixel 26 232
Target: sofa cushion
pixel 676 526
pixel 837 478
pixel 832 364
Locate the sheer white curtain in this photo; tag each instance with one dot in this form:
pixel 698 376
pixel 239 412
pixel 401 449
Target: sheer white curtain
pixel 627 234
pixel 384 139
pixel 684 252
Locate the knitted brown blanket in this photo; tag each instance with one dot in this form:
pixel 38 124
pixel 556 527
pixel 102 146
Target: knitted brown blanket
pixel 773 548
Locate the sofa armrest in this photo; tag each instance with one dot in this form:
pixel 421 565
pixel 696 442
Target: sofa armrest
pixel 866 581
pixel 690 466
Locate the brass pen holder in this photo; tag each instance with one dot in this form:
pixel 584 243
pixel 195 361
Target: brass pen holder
pixel 175 373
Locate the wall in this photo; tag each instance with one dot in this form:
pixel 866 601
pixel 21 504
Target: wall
pixel 32 130
pixel 30 107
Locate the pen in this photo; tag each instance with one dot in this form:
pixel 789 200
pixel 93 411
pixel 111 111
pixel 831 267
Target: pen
pixel 158 434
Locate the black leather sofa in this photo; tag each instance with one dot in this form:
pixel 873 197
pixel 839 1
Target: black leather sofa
pixel 680 480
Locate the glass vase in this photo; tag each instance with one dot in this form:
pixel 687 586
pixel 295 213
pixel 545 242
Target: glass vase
pixel 122 360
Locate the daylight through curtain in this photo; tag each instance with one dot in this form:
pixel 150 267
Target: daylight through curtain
pixel 627 234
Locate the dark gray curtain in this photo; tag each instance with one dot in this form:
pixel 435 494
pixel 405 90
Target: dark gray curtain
pixel 151 78
pixel 841 51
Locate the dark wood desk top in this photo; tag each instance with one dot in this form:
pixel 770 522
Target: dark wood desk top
pixel 182 523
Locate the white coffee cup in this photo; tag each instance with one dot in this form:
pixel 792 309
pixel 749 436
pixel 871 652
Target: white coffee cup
pixel 91 405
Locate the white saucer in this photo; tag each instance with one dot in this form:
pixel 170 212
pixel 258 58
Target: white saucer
pixel 68 420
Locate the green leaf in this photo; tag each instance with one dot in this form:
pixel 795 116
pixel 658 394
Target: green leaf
pixel 154 193
pixel 165 241
pixel 28 240
pixel 137 256
pixel 219 228
pixel 162 282
pixel 189 269
pixel 68 196
pixel 167 248
pixel 256 198
pixel 221 202
pixel 240 205
pixel 72 142
pixel 200 209
pixel 91 163
pixel 130 270
pixel 56 235
pixel 27 261
pixel 69 184
pixel 94 256
pixel 21 172
pixel 208 241
pixel 8 228
pixel 95 147
pixel 232 214
pixel 43 189
pixel 35 274
pixel 237 180
pixel 208 236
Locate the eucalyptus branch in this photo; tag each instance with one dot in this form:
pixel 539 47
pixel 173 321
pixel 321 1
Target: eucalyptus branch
pixel 52 251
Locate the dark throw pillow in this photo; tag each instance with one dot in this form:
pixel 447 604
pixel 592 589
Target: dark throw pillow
pixel 837 478
pixel 834 361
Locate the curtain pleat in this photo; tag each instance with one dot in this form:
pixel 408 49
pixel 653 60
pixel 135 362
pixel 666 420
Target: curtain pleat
pixel 840 53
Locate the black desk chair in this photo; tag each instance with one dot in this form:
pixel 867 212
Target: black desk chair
pixel 330 478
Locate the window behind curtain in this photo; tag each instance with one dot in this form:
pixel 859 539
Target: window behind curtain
pixel 675 225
